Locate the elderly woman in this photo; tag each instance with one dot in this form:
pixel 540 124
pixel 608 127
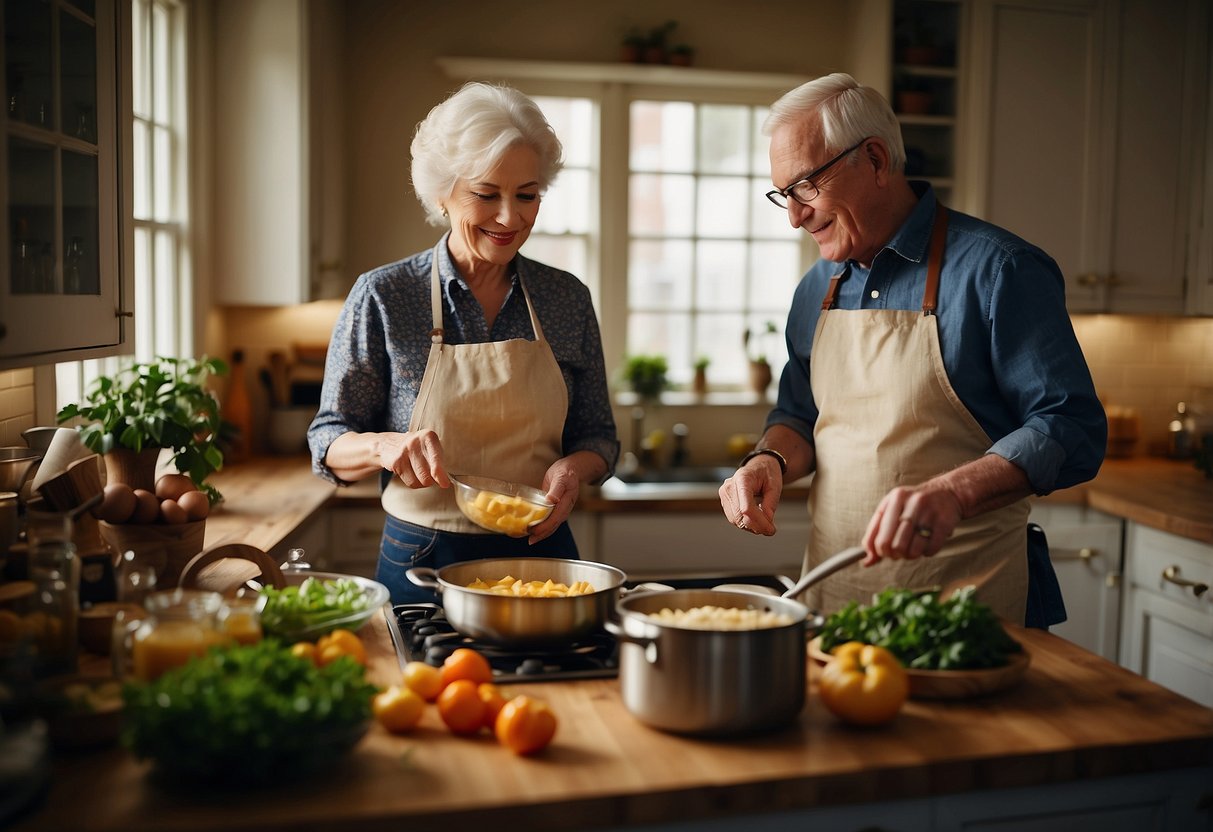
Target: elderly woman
pixel 468 358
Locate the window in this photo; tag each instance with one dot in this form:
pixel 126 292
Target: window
pixel 163 280
pixel 660 210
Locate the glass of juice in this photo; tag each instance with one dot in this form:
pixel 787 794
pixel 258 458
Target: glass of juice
pixel 179 624
pixel 240 619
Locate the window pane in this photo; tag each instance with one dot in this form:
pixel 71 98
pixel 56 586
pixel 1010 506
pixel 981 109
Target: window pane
pixel 31 184
pixel 162 174
pixel 161 77
pixel 662 334
pixel 774 273
pixel 659 274
pixel 566 205
pixel 718 336
pixel 166 305
pixel 142 185
pixel 27 50
pixel 722 206
pixel 139 69
pixel 724 134
pixel 78 80
pixel 568 253
pixel 767 219
pixel 81 225
pixel 144 316
pixel 573 121
pixel 760 145
pixel 662 136
pixel 661 204
pixel 720 269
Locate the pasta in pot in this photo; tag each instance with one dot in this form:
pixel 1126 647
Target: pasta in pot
pixel 510 585
pixel 711 617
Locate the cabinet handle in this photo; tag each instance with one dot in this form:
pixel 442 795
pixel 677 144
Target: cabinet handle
pixel 1171 575
pixel 1087 279
pixel 122 313
pixel 1112 580
pixel 1084 554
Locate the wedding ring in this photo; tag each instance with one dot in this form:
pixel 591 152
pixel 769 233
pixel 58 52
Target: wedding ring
pixel 741 525
pixel 923 532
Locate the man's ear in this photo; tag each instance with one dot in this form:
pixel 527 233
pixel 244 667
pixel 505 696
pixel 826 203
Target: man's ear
pixel 877 153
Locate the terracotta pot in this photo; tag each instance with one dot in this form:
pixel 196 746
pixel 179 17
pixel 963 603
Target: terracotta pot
pixel 914 102
pixel 699 383
pixel 135 468
pixel 760 376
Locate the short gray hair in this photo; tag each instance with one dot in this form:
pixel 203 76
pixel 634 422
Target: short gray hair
pixel 847 111
pixel 466 135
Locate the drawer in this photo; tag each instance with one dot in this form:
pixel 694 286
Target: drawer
pixel 354 542
pixel 1170 566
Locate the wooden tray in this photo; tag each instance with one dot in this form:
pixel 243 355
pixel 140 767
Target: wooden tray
pixel 951 684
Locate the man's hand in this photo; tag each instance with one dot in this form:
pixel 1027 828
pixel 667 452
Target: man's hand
pixel 749 497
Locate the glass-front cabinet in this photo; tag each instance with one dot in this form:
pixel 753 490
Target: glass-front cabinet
pixel 61 289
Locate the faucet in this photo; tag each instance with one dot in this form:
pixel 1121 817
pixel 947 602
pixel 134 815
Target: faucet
pixel 679 457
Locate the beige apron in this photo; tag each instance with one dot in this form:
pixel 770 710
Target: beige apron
pixel 498 408
pixel 890 417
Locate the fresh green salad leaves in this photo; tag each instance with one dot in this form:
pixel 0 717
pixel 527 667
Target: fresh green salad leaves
pixel 311 606
pixel 240 714
pixel 924 632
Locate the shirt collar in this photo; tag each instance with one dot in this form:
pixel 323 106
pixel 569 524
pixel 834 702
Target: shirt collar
pixel 448 272
pixel 914 236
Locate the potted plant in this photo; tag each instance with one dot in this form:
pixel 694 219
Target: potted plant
pixel 133 414
pixel 760 367
pixel 699 382
pixel 646 375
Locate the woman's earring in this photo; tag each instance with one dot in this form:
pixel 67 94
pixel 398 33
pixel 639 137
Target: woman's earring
pixel 444 215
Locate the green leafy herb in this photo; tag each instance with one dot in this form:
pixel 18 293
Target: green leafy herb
pixel 924 632
pixel 241 714
pixel 311 605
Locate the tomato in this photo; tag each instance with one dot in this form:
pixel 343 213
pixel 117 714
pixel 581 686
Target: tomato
pixel 461 707
pixel 493 701
pixel 398 709
pixel 466 663
pixel 340 643
pixel 304 650
pixel 423 679
pixel 525 725
pixel 863 684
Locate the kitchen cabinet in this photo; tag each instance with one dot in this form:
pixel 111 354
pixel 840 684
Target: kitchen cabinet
pixel 279 197
pixel 1167 629
pixel 354 536
pixel 64 172
pixel 1085 547
pixel 1087 119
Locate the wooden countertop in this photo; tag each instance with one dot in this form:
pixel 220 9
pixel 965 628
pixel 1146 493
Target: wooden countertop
pixel 1074 718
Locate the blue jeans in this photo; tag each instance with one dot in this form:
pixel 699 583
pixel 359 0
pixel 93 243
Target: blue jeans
pixel 405 545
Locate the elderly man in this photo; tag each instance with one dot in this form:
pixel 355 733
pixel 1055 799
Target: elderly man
pixel 934 380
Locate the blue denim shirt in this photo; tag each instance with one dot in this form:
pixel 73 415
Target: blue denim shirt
pixel 1007 340
pixel 381 343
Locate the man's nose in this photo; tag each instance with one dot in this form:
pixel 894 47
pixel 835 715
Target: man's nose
pixel 798 212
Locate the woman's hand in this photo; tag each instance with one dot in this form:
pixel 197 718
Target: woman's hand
pixel 562 484
pixel 415 457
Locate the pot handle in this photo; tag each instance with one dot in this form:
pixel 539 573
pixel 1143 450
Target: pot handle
pixel 424 576
pixel 649 643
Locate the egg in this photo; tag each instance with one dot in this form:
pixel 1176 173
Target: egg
pixel 172 513
pixel 147 507
pixel 196 504
pixel 172 486
pixel 117 503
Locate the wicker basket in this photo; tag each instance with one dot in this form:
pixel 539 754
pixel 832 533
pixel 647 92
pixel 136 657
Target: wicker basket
pixel 167 547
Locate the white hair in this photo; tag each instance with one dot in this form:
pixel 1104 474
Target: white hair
pixel 848 112
pixel 466 135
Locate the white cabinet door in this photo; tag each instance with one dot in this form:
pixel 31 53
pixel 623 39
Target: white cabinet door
pixel 1088 119
pixel 1085 547
pixel 1167 630
pixel 278 152
pixel 355 534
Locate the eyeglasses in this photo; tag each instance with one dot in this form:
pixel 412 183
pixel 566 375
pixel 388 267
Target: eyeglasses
pixel 804 190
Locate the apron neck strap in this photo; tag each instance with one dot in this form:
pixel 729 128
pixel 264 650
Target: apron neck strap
pixel 436 300
pixel 939 235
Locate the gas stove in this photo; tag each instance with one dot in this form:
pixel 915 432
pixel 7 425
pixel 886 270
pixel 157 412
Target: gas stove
pixel 421 632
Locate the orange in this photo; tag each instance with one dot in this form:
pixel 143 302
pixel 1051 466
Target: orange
pixel 304 650
pixel 525 725
pixel 340 643
pixel 466 663
pixel 493 701
pixel 423 679
pixel 461 707
pixel 398 709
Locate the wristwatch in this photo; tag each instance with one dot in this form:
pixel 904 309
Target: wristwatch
pixel 783 463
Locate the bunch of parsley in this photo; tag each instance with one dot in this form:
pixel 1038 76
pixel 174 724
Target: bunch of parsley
pixel 924 632
pixel 241 714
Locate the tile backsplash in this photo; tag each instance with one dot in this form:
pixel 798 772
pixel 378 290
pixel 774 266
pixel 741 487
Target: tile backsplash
pixel 1145 363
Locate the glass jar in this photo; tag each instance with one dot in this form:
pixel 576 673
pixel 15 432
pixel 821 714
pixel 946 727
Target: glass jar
pixel 54 570
pixel 240 619
pixel 177 625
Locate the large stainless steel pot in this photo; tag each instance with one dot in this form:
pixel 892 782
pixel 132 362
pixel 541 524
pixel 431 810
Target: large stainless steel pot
pixel 716 682
pixel 516 621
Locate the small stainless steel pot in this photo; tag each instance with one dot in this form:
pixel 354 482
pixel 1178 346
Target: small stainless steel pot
pixel 717 682
pixel 517 621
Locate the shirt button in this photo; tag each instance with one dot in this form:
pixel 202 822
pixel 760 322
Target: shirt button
pixel 875 293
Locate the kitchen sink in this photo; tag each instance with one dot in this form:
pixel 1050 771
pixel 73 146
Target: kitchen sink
pixel 713 474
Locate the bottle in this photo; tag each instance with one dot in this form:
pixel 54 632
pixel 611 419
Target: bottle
pixel 238 410
pixel 54 569
pixel 1179 445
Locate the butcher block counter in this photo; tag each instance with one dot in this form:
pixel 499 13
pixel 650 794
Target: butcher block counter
pixel 1078 736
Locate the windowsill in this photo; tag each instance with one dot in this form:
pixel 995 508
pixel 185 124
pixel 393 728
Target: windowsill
pixel 685 398
pixel 623 73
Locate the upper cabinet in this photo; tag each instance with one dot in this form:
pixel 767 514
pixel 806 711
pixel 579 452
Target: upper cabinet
pixel 64 145
pixel 926 72
pixel 279 209
pixel 1087 119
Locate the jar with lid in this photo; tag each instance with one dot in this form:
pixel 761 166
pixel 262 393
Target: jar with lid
pixel 54 570
pixel 177 625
